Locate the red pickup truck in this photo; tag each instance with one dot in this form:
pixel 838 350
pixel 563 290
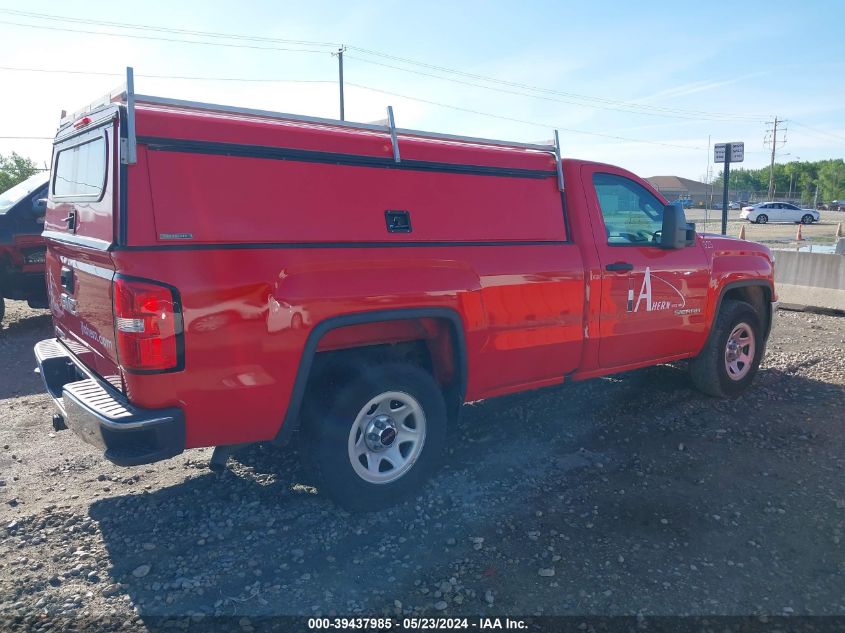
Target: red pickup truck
pixel 221 276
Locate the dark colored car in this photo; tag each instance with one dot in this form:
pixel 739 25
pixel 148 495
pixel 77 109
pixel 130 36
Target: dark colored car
pixel 22 249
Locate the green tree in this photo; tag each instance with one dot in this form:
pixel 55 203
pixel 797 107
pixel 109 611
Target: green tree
pixel 14 169
pixel 802 178
pixel 831 180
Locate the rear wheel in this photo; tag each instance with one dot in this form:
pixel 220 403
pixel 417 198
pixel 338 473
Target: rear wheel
pixel 377 437
pixel 807 219
pixel 762 219
pixel 730 358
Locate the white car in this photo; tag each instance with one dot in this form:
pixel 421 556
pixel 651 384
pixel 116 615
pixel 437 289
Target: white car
pixel 764 212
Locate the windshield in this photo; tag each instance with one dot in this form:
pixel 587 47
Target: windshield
pixel 11 197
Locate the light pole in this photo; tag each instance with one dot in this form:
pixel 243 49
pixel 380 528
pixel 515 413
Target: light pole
pixel 791 175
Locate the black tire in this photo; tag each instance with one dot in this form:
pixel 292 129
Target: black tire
pixel 709 370
pixel 2 308
pixel 761 219
pixel 807 219
pixel 328 420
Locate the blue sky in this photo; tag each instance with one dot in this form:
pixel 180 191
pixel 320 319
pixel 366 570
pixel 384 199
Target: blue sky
pixel 648 72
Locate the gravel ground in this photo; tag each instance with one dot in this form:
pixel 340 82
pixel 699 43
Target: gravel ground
pixel 627 495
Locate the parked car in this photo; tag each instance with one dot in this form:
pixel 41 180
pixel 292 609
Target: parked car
pixel 22 249
pixel 734 206
pixel 238 276
pixel 764 212
pixel 837 205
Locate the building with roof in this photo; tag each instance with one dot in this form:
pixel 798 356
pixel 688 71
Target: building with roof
pixel 677 188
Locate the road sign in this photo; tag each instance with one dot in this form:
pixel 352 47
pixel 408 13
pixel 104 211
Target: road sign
pixel 737 152
pixel 727 153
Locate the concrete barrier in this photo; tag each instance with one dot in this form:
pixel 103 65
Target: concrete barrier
pixel 810 280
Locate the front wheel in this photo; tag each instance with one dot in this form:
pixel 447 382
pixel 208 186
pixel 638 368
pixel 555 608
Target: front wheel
pixel 730 358
pixel 807 219
pixel 762 219
pixel 377 437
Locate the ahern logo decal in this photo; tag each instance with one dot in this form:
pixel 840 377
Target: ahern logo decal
pixel 645 296
pixel 94 335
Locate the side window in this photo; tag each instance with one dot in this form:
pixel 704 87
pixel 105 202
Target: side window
pixel 632 215
pixel 41 194
pixel 80 171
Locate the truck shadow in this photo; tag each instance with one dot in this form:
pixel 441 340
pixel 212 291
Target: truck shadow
pixel 260 541
pixel 17 339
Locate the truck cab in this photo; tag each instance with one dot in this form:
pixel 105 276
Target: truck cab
pixel 22 249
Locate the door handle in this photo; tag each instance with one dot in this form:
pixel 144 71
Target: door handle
pixel 71 220
pixel 619 267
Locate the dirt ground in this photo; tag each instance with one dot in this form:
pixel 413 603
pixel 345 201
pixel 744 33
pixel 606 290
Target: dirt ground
pixel 628 495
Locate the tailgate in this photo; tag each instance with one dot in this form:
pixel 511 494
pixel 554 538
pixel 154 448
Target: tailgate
pixel 79 284
pixel 79 226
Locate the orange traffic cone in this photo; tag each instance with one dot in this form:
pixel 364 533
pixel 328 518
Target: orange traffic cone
pixel 798 237
pixel 742 232
pixel 839 230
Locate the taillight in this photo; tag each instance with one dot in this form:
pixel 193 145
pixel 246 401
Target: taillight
pixel 147 324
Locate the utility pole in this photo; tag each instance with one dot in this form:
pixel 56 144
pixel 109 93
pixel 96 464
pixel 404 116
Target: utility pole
pixel 772 164
pixel 340 77
pixel 774 140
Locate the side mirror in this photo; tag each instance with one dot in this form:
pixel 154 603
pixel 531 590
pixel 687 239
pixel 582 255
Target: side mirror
pixel 676 231
pixel 39 206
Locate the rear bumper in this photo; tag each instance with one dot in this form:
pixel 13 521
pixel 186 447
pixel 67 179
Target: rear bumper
pixel 102 416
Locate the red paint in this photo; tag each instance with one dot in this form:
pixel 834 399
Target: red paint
pixel 530 314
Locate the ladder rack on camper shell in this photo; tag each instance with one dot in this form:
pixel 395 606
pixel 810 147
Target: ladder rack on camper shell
pixel 126 94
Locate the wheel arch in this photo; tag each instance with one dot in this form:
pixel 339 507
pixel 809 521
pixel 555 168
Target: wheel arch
pixel 756 292
pixel 291 421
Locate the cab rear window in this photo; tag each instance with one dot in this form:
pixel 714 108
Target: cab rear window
pixel 80 170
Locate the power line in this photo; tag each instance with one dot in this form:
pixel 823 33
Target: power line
pixel 181 77
pixel 576 99
pixel 541 89
pixel 164 29
pixel 819 132
pixel 546 126
pixel 270 80
pixel 163 39
pixel 573 101
pixel 596 102
pixel 402 96
pixel 364 87
pixel 357 85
